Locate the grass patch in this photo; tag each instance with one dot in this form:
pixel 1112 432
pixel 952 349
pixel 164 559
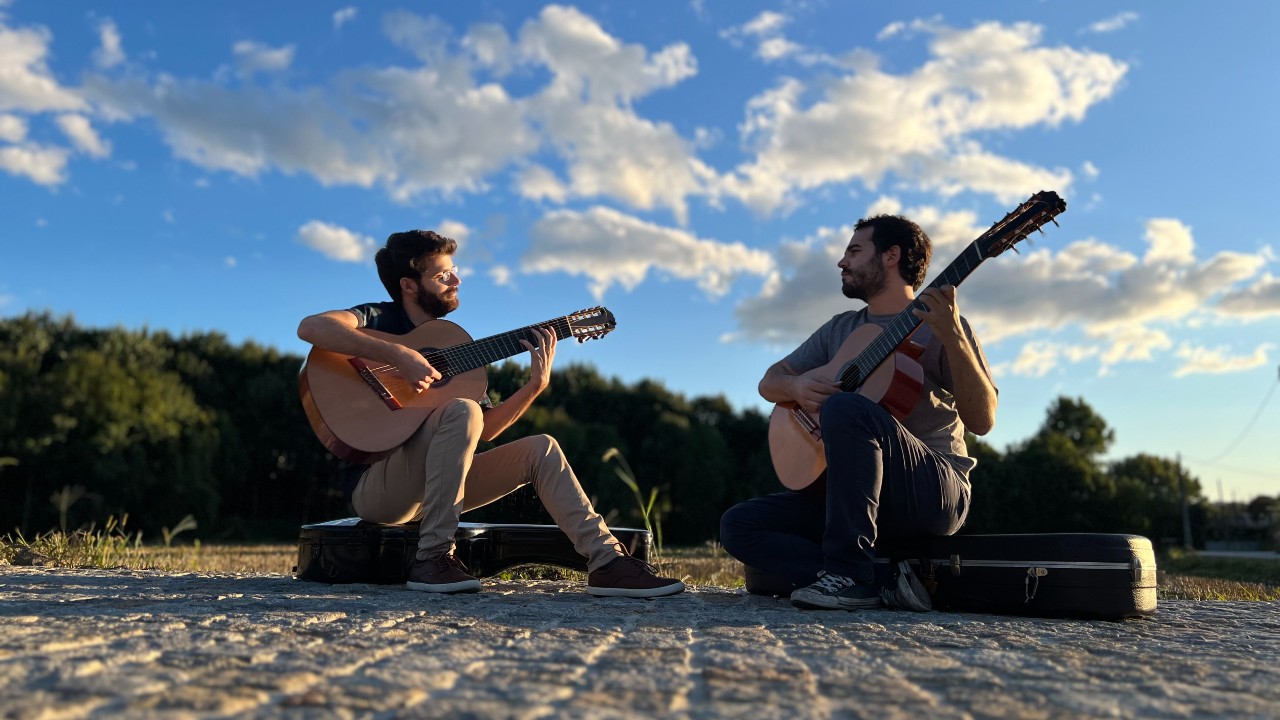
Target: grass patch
pixel 1190 576
pixel 1182 576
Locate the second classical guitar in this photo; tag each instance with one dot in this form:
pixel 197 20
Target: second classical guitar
pixel 361 410
pixel 881 363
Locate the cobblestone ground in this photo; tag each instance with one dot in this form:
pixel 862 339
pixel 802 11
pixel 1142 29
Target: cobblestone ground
pixel 99 643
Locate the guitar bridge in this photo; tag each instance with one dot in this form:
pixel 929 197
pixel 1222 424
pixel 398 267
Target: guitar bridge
pixel 807 423
pixel 374 383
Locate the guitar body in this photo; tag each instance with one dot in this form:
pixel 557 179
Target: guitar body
pixel 795 437
pixel 361 410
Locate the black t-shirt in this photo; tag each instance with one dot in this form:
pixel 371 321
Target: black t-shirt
pixel 390 318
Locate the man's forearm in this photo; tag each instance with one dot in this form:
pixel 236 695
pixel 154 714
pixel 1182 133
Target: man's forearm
pixel 976 397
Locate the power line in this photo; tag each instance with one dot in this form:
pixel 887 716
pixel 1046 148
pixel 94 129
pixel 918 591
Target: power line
pixel 1249 426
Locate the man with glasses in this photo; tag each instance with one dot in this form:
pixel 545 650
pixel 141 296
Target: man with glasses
pixel 436 474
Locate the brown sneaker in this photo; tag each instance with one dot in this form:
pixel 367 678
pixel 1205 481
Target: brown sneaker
pixel 626 576
pixel 444 574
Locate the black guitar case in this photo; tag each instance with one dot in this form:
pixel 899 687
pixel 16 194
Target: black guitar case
pixel 1070 575
pixel 353 551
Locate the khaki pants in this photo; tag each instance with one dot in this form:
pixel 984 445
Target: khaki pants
pixel 437 475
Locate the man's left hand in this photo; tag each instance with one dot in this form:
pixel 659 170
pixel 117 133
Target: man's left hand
pixel 541 356
pixel 941 312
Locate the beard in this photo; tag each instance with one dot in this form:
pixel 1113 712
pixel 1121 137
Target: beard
pixel 866 282
pixel 437 305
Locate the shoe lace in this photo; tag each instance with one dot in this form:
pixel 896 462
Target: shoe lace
pixel 632 560
pixel 832 583
pixel 451 560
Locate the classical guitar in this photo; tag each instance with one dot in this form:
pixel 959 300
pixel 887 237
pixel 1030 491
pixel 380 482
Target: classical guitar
pixel 881 362
pixel 361 409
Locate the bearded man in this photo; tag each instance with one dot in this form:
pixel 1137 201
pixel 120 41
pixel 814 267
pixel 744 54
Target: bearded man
pixel 884 478
pixel 436 475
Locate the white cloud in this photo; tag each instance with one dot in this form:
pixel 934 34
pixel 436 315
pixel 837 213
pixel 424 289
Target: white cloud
pixel 1201 360
pixel 454 229
pixel 538 183
pixel 344 16
pixel 230 261
pixel 1039 357
pixel 1113 23
pixel 611 248
pixel 13 129
pixel 1169 241
pixel 110 52
pixel 1089 170
pixel 922 125
pixel 447 134
pixel 1257 300
pixel 586 113
pixel 253 57
pixel 766 31
pixel 26 83
pixel 336 243
pixel 42 165
pixel 83 136
pixel 575 134
pixel 500 275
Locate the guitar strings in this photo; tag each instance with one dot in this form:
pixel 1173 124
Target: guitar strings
pixel 469 356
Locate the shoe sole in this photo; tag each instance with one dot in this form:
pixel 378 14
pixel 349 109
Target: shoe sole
pixel 826 602
pixel 461 586
pixel 911 593
pixel 672 589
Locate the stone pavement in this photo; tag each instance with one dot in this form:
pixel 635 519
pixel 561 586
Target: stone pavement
pixel 116 643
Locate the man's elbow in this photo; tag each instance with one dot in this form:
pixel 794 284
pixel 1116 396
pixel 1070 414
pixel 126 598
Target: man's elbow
pixel 980 428
pixel 310 328
pixel 982 422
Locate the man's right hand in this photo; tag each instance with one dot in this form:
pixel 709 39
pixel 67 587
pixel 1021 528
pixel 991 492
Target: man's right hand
pixel 415 369
pixel 811 390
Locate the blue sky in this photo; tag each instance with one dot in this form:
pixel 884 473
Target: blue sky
pixel 695 167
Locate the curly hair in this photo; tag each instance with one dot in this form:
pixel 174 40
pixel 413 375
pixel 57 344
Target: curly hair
pixel 405 256
pixel 890 230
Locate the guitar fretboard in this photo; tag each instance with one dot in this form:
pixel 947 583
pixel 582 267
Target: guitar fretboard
pixel 485 351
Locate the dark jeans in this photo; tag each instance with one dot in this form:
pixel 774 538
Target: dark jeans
pixel 881 482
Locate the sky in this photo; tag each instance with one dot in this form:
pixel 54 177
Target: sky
pixel 696 167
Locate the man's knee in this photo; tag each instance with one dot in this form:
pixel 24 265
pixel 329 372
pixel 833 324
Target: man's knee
pixel 848 408
pixel 734 526
pixel 542 454
pixel 464 412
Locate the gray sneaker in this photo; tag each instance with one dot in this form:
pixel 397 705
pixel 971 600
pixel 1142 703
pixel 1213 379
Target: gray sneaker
pixel 836 592
pixel 905 591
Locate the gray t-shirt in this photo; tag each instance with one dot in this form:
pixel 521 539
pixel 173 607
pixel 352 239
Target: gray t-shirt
pixel 934 419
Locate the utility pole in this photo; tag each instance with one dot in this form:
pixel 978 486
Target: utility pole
pixel 1186 511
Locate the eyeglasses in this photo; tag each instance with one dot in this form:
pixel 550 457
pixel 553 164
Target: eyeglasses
pixel 447 276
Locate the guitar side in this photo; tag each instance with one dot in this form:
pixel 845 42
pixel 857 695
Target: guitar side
pixel 362 416
pixel 795 438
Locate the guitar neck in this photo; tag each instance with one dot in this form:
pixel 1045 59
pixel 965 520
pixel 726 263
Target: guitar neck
pixel 905 322
pixel 486 351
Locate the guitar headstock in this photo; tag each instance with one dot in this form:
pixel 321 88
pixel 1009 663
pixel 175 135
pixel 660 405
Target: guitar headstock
pixel 590 324
pixel 1039 209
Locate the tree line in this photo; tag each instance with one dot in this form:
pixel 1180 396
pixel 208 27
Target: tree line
pixel 98 423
